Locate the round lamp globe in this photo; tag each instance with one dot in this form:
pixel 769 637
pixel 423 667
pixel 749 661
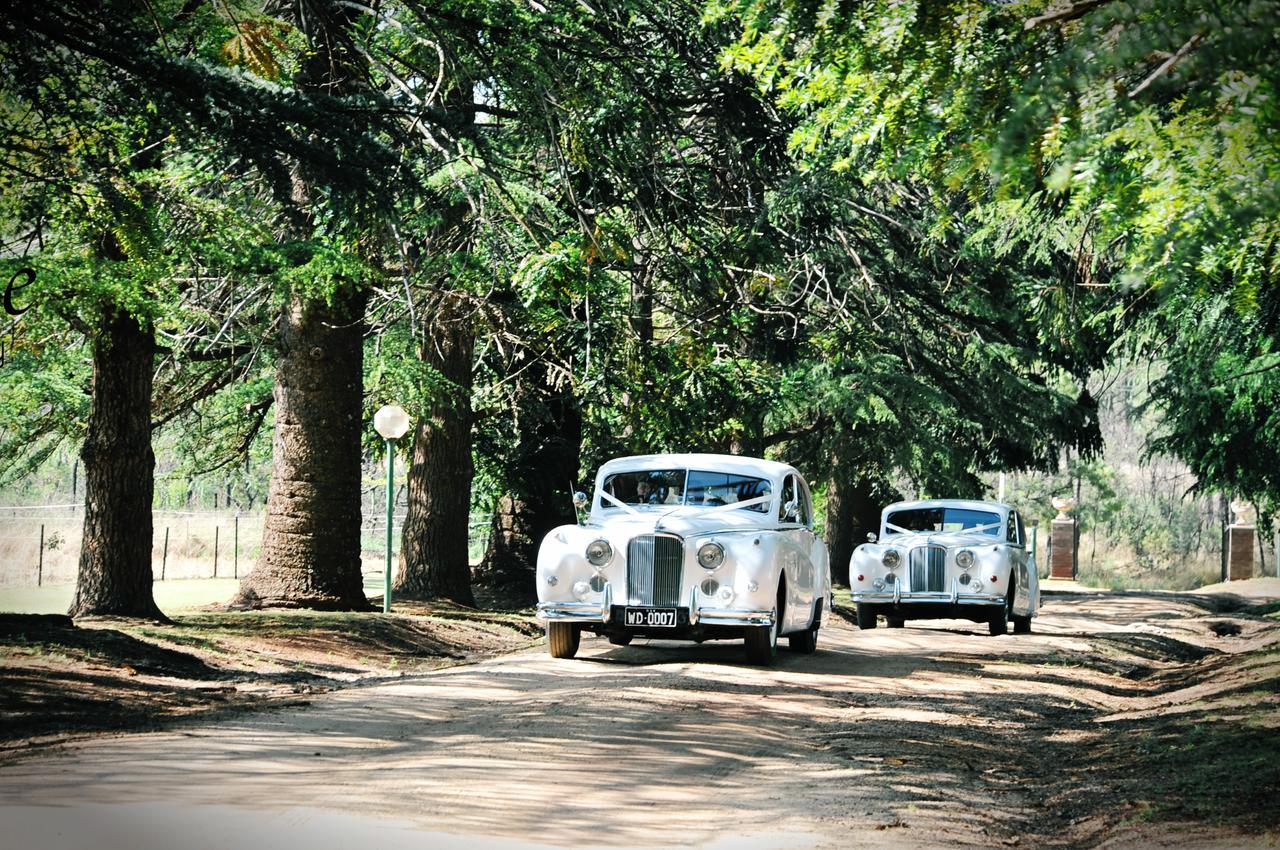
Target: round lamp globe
pixel 391 422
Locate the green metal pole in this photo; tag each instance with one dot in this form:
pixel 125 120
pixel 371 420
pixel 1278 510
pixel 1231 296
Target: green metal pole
pixel 391 497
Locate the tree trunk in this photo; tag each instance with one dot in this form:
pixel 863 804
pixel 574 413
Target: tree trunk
pixel 310 554
pixel 119 467
pixel 544 471
pixel 852 513
pixel 434 562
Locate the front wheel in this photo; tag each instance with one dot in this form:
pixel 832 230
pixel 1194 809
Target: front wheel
pixel 620 640
pixel 762 642
pixel 1021 625
pixel 866 616
pixel 894 622
pixel 998 625
pixel 563 639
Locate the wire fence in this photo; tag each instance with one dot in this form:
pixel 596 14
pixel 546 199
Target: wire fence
pixel 40 545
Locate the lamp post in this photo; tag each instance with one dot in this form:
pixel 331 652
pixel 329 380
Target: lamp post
pixel 391 423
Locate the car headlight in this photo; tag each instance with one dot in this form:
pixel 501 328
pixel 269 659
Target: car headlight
pixel 891 558
pixel 964 559
pixel 599 552
pixel 710 555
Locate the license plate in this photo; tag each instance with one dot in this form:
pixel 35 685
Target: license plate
pixel 651 617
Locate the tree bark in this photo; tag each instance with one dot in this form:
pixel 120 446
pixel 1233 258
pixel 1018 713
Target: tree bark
pixel 119 466
pixel 852 513
pixel 434 562
pixel 310 554
pixel 540 495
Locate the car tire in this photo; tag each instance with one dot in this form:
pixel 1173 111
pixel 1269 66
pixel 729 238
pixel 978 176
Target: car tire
pixel 866 617
pixel 998 625
pixel 563 639
pixel 620 640
pixel 806 642
pixel 895 622
pixel 762 642
pixel 1022 625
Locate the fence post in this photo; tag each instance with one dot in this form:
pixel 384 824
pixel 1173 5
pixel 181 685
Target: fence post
pixel 40 563
pixel 164 559
pixel 216 529
pixel 235 547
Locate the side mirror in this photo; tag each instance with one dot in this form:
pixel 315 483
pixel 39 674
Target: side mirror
pixel 792 510
pixel 871 537
pixel 580 500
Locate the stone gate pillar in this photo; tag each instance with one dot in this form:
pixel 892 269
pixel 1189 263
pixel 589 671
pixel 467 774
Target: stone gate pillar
pixel 1241 540
pixel 1062 540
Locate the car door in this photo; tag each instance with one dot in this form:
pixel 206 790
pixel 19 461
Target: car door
pixel 796 529
pixel 1020 565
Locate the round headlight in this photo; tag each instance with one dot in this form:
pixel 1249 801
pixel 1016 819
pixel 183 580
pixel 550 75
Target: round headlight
pixel 891 558
pixel 964 559
pixel 710 555
pixel 599 552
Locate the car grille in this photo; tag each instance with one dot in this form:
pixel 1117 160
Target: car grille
pixel 654 563
pixel 928 568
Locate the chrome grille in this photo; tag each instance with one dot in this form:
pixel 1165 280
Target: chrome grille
pixel 928 568
pixel 654 563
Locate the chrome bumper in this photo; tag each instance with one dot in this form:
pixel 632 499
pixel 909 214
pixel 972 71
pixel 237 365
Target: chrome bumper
pixel 699 614
pixel 941 597
pixel 707 615
pixel 579 612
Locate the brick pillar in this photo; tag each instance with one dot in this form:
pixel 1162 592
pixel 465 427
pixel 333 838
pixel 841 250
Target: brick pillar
pixel 1062 549
pixel 1240 543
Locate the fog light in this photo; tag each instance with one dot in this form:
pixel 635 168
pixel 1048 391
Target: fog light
pixel 709 587
pixel 964 559
pixel 597 583
pixel 890 579
pixel 726 593
pixel 878 584
pixel 975 584
pixel 964 579
pixel 581 590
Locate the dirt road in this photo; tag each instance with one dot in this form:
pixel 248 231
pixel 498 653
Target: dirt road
pixel 1124 721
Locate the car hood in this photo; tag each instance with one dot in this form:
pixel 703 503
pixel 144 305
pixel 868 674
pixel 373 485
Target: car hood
pixel 949 539
pixel 683 521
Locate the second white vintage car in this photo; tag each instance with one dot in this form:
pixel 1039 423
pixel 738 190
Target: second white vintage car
pixel 947 558
pixel 690 547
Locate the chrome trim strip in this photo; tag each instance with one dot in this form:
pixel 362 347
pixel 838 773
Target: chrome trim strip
pixel 579 612
pixel 941 598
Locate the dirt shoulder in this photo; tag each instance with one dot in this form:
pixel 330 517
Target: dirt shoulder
pixel 61 680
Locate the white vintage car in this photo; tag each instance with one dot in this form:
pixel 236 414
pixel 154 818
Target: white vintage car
pixel 690 547
pixel 946 558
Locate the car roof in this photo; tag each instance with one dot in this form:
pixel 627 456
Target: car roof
pixel 706 462
pixel 968 504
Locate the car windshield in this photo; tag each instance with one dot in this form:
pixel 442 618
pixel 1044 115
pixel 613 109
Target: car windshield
pixel 943 519
pixel 674 487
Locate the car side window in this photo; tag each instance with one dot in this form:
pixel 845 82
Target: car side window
pixel 788 493
pixel 1015 528
pixel 806 509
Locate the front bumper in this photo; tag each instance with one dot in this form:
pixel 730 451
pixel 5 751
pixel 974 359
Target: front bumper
pixel 700 614
pixel 897 596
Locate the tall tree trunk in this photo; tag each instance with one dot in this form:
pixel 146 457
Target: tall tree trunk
pixel 852 513
pixel 310 554
pixel 119 467
pixel 544 471
pixel 434 562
